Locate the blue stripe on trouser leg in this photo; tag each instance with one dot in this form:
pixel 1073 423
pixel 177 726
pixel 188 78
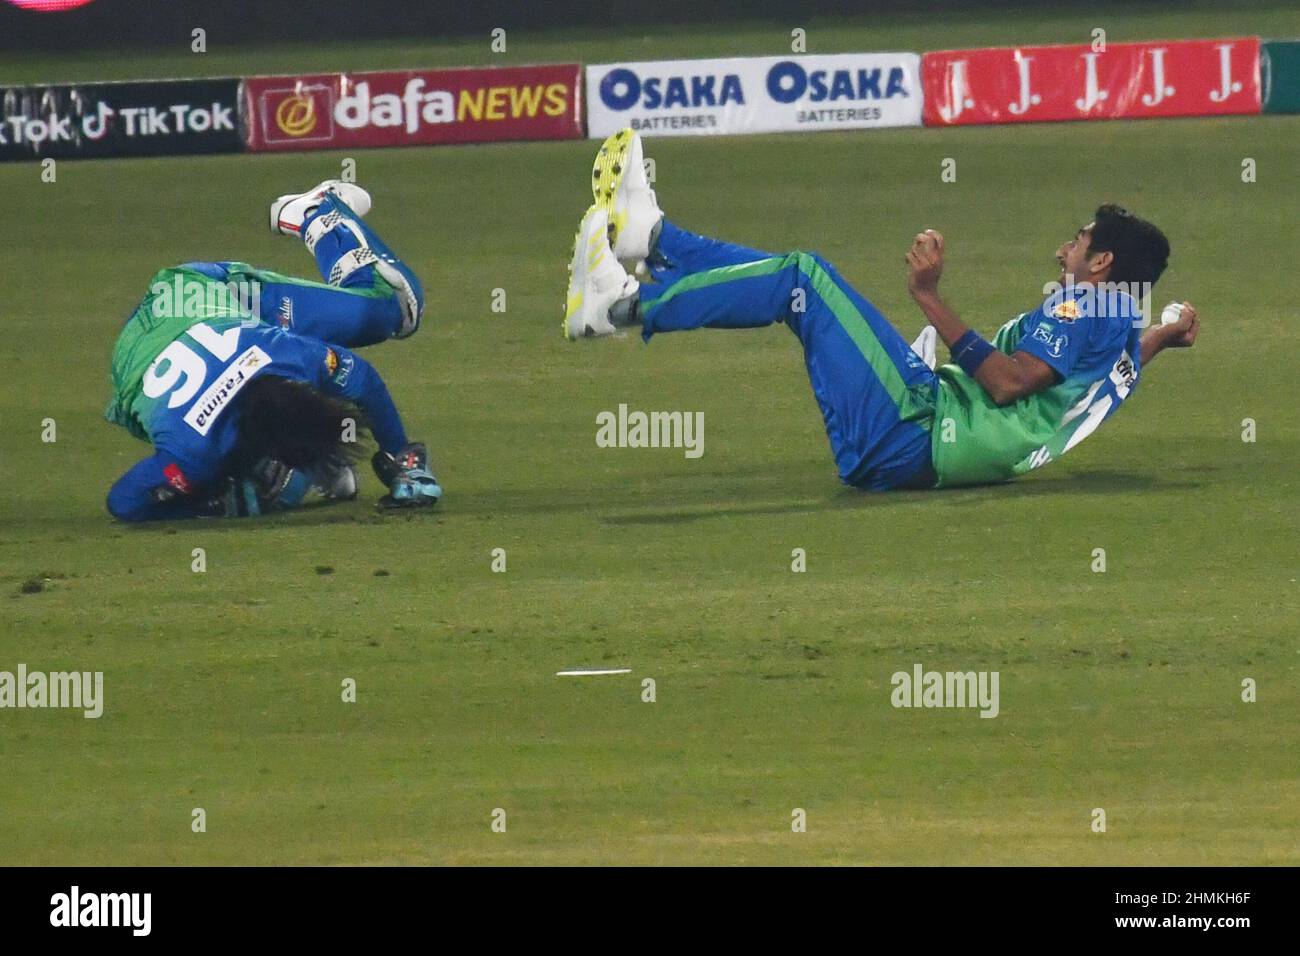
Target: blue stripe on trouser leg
pixel 875 394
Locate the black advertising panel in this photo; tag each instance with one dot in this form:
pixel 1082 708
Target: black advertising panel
pixel 87 120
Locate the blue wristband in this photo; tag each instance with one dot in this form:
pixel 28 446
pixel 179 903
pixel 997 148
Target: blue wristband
pixel 970 351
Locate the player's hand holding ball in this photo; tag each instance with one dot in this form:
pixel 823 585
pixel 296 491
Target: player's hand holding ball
pixel 1181 323
pixel 925 262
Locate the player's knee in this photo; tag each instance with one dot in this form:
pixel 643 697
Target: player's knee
pixel 809 263
pixel 213 270
pixel 821 262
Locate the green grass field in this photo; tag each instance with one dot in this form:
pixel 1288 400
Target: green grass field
pixel 1119 690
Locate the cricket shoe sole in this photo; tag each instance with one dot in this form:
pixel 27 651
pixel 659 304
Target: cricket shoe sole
pixel 414 489
pixel 619 186
pixel 596 280
pixel 424 494
pixel 288 213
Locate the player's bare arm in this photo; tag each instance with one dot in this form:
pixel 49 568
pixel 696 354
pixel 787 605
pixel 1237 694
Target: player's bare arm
pixel 1007 378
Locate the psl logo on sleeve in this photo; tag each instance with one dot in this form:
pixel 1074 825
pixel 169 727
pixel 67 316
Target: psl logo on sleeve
pixel 1055 343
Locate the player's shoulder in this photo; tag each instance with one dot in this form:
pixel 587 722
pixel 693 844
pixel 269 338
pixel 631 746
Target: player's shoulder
pixel 278 343
pixel 296 356
pixel 1099 307
pixel 280 337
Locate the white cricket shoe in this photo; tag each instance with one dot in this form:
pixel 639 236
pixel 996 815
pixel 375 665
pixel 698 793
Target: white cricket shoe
pixel 596 280
pixel 620 187
pixel 289 212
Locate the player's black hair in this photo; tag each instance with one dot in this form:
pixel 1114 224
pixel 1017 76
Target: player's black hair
pixel 296 424
pixel 1141 250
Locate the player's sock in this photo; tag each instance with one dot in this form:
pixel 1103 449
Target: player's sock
pixel 625 312
pixel 654 237
pixel 343 256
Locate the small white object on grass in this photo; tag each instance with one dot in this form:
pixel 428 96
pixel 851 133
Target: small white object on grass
pixel 1172 313
pixel 621 670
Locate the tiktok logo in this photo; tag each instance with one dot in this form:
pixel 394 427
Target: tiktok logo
pixel 1159 89
pixel 1092 94
pixel 958 100
pixel 1027 98
pixel 1227 86
pixel 96 126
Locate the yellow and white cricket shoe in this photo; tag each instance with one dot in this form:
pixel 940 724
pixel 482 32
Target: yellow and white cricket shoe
pixel 620 187
pixel 596 280
pixel 289 212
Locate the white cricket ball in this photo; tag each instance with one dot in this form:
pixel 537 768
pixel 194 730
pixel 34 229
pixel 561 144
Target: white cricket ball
pixel 1173 311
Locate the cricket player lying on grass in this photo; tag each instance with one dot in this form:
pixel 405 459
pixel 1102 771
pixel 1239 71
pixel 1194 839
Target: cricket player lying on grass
pixel 1048 379
pixel 244 382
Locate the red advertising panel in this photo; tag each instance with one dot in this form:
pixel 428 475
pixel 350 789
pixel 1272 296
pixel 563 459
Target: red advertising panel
pixel 1135 80
pixel 413 107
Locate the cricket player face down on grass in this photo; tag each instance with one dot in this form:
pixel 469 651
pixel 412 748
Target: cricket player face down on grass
pixel 1000 409
pixel 245 381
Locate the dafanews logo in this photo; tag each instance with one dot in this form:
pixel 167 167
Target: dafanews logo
pixel 302 114
pixel 413 108
pixel 417 105
pixel 296 115
pixel 76 908
pixel 755 94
